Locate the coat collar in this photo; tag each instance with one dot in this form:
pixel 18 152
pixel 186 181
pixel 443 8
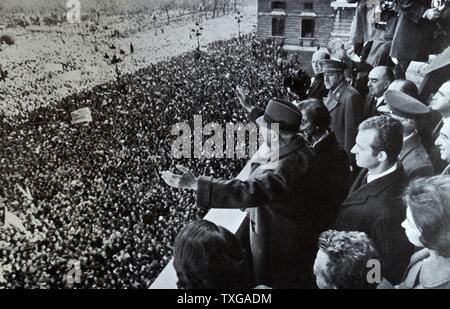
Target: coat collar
pixel 334 97
pixel 272 158
pixel 446 171
pixel 410 145
pixel 437 129
pixel 328 142
pixel 431 273
pixel 297 143
pixel 435 273
pixel 339 90
pixel 318 77
pixel 360 194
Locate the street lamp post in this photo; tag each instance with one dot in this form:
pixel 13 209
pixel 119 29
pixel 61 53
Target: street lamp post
pixel 197 30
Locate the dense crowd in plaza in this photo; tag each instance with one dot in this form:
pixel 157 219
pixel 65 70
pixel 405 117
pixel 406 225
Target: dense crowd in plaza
pixel 353 169
pixel 97 193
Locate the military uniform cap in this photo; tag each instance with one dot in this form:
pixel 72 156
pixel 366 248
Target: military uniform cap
pixel 284 113
pixel 332 66
pixel 404 105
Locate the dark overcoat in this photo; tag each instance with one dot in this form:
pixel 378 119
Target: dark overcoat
pixel 277 195
pixel 370 107
pixel 317 89
pixel 331 180
pixel 413 35
pixel 415 159
pixel 377 210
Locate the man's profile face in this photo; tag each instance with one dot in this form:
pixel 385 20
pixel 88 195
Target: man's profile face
pixel 441 100
pixel 378 84
pixel 363 150
pixel 332 80
pixel 315 62
pixel 443 142
pixel 306 126
pixel 411 230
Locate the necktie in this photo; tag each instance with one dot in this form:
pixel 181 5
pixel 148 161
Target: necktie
pixel 380 104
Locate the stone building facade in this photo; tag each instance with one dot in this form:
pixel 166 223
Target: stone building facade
pixel 304 24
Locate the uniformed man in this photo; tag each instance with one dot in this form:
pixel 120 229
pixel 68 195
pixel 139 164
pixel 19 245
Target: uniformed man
pixel 356 72
pixel 344 103
pixel 408 110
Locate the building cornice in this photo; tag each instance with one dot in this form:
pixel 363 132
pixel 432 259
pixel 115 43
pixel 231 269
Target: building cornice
pixel 302 14
pixel 343 4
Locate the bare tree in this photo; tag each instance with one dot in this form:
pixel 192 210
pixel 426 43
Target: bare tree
pixel 166 6
pixel 225 6
pixel 214 5
pixel 205 5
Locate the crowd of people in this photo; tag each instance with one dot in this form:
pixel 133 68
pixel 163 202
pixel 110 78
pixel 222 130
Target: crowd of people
pixel 48 63
pixel 356 173
pixel 97 196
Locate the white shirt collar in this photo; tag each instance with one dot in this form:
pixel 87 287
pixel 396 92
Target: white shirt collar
pixel 409 136
pixel 380 100
pixel 371 178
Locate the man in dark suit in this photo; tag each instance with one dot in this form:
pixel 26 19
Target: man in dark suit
pixel 443 142
pixel 408 111
pixel 380 79
pixel 414 34
pixel 317 90
pixel 374 203
pixel 332 167
pixel 277 194
pixel 344 103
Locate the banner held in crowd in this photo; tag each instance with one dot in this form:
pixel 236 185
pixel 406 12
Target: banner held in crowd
pixel 26 194
pixel 81 115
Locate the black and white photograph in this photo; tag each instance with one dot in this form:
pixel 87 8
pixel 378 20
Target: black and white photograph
pixel 241 146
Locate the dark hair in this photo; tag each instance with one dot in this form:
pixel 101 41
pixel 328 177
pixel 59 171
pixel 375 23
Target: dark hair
pixel 207 256
pixel 389 136
pixel 429 202
pixel 349 253
pixel 323 54
pixel 319 115
pixel 7 39
pixel 408 87
pixel 388 73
